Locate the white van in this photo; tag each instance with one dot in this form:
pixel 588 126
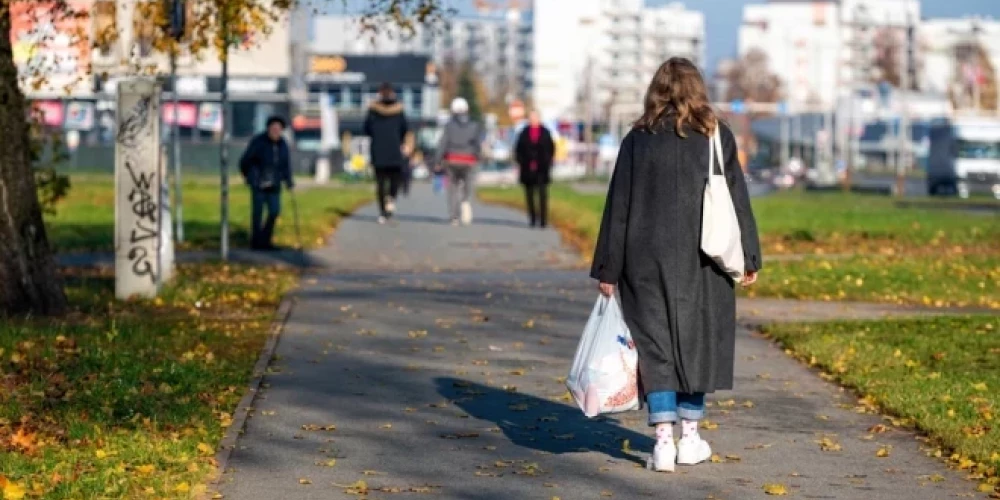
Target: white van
pixel 964 157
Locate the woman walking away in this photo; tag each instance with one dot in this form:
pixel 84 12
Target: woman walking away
pixel 459 152
pixel 534 152
pixel 678 303
pixel 386 126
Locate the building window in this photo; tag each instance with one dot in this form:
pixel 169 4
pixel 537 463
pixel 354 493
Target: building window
pixel 243 119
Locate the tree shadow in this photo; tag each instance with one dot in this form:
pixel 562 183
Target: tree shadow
pixel 543 425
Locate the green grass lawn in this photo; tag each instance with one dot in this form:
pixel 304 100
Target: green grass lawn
pixel 85 219
pixel 883 253
pixel 940 375
pixel 130 399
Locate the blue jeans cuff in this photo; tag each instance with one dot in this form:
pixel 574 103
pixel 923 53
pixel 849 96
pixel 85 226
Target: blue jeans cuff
pixel 663 417
pixel 690 413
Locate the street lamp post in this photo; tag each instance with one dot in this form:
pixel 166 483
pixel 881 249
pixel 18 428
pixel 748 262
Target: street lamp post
pixel 177 26
pixel 224 147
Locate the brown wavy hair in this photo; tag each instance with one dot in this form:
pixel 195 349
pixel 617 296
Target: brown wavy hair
pixel 677 91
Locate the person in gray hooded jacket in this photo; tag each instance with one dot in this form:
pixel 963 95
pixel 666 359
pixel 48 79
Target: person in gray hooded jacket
pixel 458 152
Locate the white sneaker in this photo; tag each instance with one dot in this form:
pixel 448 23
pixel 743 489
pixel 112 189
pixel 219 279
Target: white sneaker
pixel 693 450
pixel 664 457
pixel 381 220
pixel 466 213
pixel 390 206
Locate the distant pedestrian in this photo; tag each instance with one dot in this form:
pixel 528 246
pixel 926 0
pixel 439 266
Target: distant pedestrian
pixel 387 128
pixel 265 165
pixel 459 151
pixel 534 152
pixel 679 305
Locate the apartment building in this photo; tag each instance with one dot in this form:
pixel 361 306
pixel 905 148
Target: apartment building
pixel 616 47
pixel 822 48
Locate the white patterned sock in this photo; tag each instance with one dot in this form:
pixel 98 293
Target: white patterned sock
pixel 689 428
pixel 665 433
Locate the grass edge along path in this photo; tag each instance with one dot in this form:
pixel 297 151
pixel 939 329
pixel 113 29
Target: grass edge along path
pixel 963 275
pixel 937 375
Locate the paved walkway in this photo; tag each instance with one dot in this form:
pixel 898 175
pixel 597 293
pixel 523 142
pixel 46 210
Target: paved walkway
pixel 448 385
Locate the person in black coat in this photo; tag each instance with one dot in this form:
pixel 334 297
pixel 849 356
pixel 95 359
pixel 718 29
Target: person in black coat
pixel 534 152
pixel 679 305
pixel 265 165
pixel 386 126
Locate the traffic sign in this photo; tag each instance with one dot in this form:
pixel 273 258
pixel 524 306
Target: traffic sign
pixel 737 106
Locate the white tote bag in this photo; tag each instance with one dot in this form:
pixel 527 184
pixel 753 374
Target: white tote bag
pixel 605 373
pixel 720 229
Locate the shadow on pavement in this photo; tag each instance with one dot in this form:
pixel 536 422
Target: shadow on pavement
pixel 543 425
pixel 425 219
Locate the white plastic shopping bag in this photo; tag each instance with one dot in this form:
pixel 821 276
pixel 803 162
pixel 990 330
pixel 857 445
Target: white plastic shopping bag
pixel 604 377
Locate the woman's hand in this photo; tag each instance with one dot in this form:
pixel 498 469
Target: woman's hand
pixel 749 278
pixel 607 289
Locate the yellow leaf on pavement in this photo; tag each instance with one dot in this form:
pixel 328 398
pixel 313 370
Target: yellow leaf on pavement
pixel 303 480
pixel 776 489
pixel 882 452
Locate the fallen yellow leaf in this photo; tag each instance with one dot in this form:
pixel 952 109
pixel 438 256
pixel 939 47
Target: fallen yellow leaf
pixel 882 452
pixel 776 489
pixel 145 469
pixel 11 490
pixel 303 480
pixel 205 449
pixel 183 487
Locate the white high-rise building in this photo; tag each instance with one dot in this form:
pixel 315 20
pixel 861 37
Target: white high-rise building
pixel 818 47
pixel 592 54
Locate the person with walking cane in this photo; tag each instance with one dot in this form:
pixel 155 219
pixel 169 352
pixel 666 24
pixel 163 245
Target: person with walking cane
pixel 534 152
pixel 265 165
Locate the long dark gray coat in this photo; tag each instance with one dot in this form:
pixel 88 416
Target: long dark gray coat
pixel 679 306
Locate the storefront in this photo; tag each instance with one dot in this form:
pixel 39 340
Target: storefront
pixel 199 108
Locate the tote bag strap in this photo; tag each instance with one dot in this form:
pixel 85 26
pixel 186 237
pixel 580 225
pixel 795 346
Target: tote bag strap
pixel 715 152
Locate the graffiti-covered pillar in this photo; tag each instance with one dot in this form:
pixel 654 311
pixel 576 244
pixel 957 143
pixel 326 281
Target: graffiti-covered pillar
pixel 139 199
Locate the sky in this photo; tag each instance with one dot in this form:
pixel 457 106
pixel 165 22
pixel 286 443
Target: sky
pixel 723 17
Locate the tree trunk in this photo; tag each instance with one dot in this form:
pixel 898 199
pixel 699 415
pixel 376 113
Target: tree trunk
pixel 28 278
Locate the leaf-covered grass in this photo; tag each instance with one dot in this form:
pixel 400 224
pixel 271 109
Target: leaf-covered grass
pixel 943 281
pixel 84 220
pixel 941 375
pixel 130 399
pixel 884 253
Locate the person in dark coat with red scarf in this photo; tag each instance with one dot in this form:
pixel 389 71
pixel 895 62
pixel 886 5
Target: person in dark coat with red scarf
pixel 534 152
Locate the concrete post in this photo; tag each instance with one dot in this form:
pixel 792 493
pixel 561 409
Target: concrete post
pixel 138 195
